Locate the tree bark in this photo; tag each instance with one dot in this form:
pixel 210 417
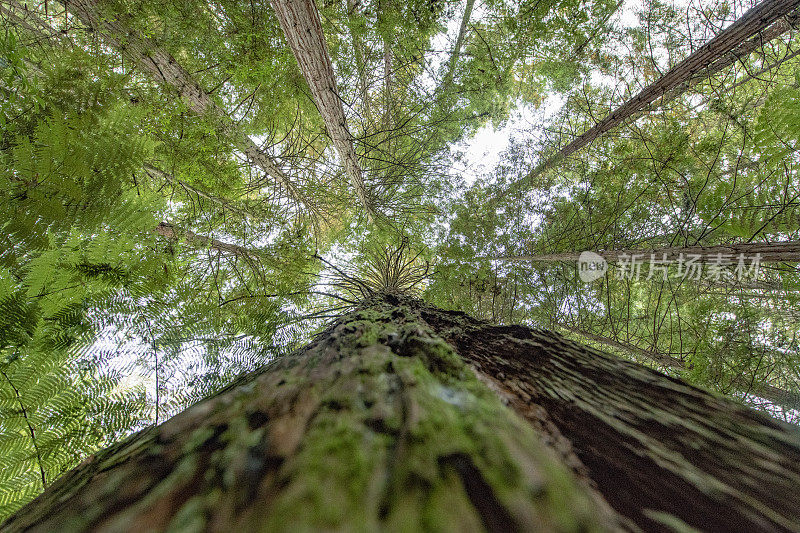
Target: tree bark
pixel 302 27
pixel 718 53
pixel 778 28
pixel 663 454
pixel 22 17
pixel 388 420
pixel 375 425
pixel 163 68
pixel 775 252
pixel 169 231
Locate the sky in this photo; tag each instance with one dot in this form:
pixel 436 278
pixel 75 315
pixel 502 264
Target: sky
pixel 482 152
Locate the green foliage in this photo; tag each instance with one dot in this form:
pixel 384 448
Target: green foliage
pixel 716 165
pixel 778 126
pixel 74 234
pixel 144 262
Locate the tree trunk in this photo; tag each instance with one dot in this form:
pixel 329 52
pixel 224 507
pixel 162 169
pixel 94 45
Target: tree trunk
pixel 776 252
pixel 778 28
pixel 663 454
pixel 22 17
pixel 361 57
pixel 388 421
pixel 462 32
pixel 163 68
pixel 301 25
pixel 718 53
pixel 376 424
pixel 169 231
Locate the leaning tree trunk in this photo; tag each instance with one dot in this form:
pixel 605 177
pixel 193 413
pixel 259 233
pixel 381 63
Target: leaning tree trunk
pixel 166 70
pixel 300 22
pixel 721 51
pixel 775 252
pixel 394 418
pixel 170 231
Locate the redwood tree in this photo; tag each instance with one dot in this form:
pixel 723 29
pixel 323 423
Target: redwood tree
pixel 761 23
pixel 767 252
pixel 404 416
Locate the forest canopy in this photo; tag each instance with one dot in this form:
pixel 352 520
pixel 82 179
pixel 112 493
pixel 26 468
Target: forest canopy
pixel 190 189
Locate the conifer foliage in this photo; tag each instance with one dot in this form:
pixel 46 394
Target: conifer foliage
pixel 191 189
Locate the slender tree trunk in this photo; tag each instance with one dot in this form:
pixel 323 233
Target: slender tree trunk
pixel 391 420
pixel 665 360
pixel 769 253
pixel 152 59
pixel 387 79
pixel 772 286
pixel 22 17
pixel 163 68
pixel 301 25
pixel 778 28
pixel 718 53
pixel 169 231
pixel 462 32
pixel 775 395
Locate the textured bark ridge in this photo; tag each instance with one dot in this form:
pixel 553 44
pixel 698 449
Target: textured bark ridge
pixel 664 454
pixel 377 425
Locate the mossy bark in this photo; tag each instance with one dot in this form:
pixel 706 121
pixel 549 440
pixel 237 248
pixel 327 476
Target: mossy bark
pixel 394 419
pixel 378 424
pixel 664 454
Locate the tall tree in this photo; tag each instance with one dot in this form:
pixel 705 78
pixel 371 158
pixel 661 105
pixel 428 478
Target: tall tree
pixel 165 69
pixel 303 29
pixel 135 243
pixel 708 59
pixel 392 418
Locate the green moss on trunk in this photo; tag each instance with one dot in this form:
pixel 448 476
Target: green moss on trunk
pixel 406 417
pixel 377 424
